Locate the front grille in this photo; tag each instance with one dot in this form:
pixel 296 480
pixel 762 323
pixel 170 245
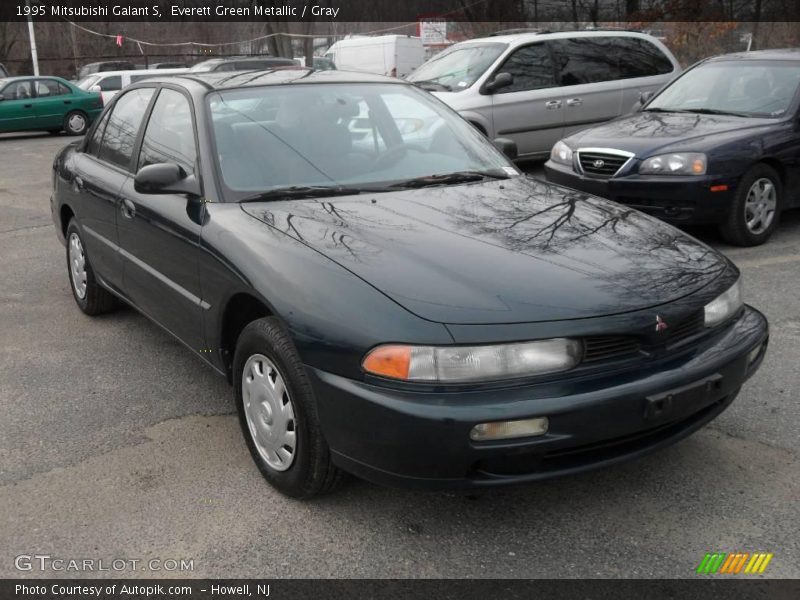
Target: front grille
pixel 686 329
pixel 601 164
pixel 610 347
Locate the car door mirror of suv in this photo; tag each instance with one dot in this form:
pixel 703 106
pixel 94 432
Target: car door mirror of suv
pixel 165 178
pixel 500 80
pixel 507 147
pixel 644 97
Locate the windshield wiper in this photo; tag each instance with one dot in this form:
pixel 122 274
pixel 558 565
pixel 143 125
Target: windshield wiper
pixel 432 85
pixel 448 178
pixel 301 191
pixel 714 111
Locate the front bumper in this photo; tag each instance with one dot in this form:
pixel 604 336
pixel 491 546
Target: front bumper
pixel 687 200
pixel 421 439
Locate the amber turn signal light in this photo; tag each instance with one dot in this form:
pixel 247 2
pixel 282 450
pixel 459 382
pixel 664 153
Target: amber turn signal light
pixel 388 361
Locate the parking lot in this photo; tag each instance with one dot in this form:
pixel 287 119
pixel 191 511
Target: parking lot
pixel 115 442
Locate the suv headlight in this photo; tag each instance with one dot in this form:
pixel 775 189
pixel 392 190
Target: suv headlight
pixel 679 163
pixel 561 153
pixel 724 306
pixel 451 364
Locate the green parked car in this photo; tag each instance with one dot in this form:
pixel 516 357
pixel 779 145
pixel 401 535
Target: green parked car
pixel 46 104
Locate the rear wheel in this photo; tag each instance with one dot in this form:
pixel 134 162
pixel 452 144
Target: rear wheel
pixel 89 296
pixel 76 123
pixel 277 412
pixel 756 208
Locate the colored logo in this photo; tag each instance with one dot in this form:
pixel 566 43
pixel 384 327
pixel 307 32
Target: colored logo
pixel 734 562
pixel 661 324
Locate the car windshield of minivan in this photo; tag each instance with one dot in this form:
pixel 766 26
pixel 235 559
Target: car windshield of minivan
pixel 457 68
pixel 739 88
pixel 315 140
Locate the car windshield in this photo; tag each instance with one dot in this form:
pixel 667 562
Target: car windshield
pixel 457 68
pixel 744 88
pixel 366 136
pixel 87 82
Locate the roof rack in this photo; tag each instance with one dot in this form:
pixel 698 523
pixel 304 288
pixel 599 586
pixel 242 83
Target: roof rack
pixel 518 30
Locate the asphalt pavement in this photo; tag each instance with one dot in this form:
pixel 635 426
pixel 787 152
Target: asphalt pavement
pixel 116 443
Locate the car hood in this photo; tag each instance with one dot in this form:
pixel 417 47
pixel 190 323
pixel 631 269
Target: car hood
pixel 518 250
pixel 646 133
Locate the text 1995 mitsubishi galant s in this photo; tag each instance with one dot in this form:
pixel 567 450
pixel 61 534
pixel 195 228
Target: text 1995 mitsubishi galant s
pixel 387 293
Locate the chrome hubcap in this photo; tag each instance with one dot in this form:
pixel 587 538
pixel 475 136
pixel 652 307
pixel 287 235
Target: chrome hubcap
pixel 77 265
pixel 759 208
pixel 76 123
pixel 269 412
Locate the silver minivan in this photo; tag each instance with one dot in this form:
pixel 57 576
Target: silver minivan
pixel 536 88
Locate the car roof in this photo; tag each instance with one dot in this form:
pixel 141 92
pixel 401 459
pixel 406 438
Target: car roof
pixel 137 72
pixel 298 75
pixel 539 36
pixel 24 77
pixel 776 54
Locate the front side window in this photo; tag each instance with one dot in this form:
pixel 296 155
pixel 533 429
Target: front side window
pixel 752 88
pixel 93 145
pixel 20 90
pixel 123 126
pixel 358 135
pixel 110 84
pixel 532 69
pixel 457 68
pixel 169 137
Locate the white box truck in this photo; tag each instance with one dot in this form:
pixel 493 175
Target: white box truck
pixel 394 55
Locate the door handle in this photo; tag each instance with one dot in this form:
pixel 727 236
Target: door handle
pixel 552 104
pixel 574 102
pixel 128 208
pixel 67 101
pixel 27 106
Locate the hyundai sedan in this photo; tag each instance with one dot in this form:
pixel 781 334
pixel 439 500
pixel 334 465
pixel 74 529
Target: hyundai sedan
pixel 409 308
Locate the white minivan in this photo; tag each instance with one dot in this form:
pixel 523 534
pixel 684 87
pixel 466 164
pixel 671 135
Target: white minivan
pixel 393 55
pixel 108 83
pixel 536 88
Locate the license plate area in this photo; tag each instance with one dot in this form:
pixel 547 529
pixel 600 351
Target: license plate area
pixel 682 401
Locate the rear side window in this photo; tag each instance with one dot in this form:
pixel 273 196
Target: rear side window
pixel 605 58
pixel 640 58
pixel 123 126
pixel 49 87
pixel 532 69
pixel 169 137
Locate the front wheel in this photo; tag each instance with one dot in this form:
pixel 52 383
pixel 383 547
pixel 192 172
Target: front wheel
pixel 76 123
pixel 277 412
pixel 756 208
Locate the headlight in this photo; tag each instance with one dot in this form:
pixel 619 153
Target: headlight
pixel 561 153
pixel 724 306
pixel 681 163
pixel 472 363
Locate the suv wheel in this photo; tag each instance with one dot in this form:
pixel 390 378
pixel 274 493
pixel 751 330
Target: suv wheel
pixel 277 412
pixel 89 296
pixel 756 208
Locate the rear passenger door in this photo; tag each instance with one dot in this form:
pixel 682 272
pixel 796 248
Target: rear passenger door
pixel 159 234
pixel 53 100
pixel 589 73
pixel 530 111
pixel 100 170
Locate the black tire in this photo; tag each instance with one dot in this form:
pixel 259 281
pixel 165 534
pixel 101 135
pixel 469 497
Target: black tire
pixel 76 122
pixel 311 472
pixel 96 299
pixel 735 229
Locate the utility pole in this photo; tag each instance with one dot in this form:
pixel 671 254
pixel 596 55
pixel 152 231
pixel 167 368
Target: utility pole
pixel 32 36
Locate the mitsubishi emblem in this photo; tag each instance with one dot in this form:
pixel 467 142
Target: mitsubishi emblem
pixel 598 163
pixel 661 324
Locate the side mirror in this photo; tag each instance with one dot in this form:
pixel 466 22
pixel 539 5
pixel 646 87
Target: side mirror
pixel 96 89
pixel 165 178
pixel 644 97
pixel 500 80
pixel 507 147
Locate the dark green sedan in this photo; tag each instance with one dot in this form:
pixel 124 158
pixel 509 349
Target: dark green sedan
pixel 46 104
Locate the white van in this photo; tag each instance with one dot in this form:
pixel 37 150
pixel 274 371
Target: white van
pixel 108 83
pixel 393 55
